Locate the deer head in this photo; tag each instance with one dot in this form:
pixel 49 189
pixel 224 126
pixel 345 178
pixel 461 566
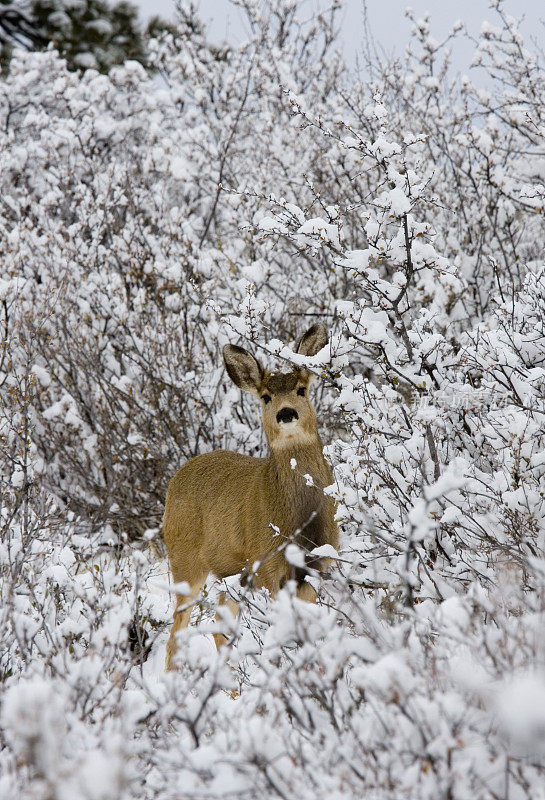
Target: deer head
pixel 288 416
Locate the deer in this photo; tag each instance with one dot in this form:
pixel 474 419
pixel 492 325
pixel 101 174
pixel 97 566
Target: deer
pixel 228 513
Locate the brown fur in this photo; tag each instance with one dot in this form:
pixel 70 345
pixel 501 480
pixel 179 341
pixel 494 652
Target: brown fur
pixel 220 506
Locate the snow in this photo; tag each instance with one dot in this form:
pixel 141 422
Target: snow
pixel 521 712
pixel 42 375
pixel 272 225
pixel 396 201
pixel 418 671
pixel 324 231
pixel 295 556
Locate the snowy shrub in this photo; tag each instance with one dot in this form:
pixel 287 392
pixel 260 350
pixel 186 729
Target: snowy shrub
pixel 142 227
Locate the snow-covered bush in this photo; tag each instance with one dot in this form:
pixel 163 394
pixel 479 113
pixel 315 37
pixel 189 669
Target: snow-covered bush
pixel 143 227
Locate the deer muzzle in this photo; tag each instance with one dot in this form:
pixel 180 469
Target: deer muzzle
pixel 286 415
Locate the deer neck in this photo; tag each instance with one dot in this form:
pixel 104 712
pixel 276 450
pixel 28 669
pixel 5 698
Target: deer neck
pixel 290 463
pixel 299 502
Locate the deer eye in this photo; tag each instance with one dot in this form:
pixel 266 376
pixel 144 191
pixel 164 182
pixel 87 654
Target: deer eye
pixel 266 398
pixel 301 391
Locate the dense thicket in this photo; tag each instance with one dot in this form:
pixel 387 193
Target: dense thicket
pixel 142 226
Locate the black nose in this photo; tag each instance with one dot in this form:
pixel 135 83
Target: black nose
pixel 286 415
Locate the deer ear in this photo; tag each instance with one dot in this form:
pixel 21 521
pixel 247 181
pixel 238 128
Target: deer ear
pixel 313 340
pixel 243 369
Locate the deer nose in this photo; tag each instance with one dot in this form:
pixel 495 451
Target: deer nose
pixel 287 415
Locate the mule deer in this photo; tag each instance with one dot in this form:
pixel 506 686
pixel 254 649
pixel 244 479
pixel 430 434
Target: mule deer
pixel 221 506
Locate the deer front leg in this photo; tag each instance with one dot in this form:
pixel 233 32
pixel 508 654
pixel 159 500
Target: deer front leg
pixel 306 592
pixel 219 638
pixel 181 616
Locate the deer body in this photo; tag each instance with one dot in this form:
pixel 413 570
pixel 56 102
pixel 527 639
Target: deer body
pixel 221 506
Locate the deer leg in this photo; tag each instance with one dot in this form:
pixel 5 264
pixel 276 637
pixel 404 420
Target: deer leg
pixel 219 638
pixel 182 615
pixel 306 592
